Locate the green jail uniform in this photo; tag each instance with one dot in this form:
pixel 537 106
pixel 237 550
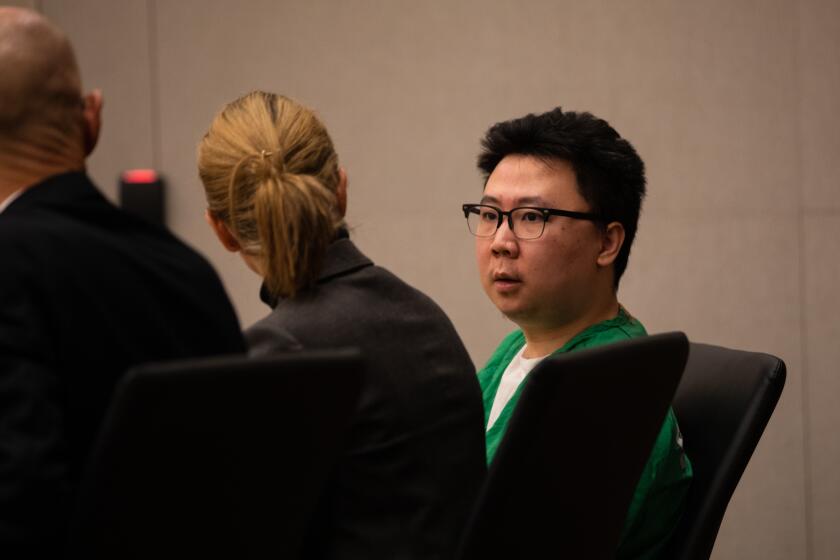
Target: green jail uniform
pixel 659 497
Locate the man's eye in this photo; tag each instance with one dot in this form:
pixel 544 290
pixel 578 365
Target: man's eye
pixel 531 217
pixel 489 216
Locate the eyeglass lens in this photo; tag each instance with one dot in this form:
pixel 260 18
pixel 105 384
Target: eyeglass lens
pixel 527 223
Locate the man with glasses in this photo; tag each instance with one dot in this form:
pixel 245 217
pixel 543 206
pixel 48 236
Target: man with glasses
pixel 553 232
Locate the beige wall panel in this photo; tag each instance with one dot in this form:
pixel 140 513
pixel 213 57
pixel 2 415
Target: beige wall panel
pixel 820 176
pixel 31 4
pixel 819 67
pixel 112 45
pixel 734 282
pixel 724 280
pixel 703 90
pixel 822 330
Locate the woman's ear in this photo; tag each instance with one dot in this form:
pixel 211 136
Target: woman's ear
pixel 222 231
pixel 341 191
pixel 612 239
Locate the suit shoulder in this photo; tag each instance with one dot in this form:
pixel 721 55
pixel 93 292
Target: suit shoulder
pixel 401 287
pixel 23 243
pixel 269 336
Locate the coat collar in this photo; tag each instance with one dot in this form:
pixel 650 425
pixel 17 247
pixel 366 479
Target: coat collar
pixel 62 190
pixel 343 257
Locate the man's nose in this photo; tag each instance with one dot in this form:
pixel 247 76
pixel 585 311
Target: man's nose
pixel 504 241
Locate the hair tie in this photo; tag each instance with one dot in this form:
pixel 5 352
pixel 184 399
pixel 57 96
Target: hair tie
pixel 278 167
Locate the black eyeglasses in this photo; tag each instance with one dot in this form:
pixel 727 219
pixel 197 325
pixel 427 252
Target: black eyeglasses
pixel 526 222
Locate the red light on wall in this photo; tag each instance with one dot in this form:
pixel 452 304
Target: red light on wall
pixel 141 193
pixel 140 176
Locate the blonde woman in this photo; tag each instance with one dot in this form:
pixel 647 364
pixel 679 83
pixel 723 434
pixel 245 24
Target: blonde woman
pixel 276 194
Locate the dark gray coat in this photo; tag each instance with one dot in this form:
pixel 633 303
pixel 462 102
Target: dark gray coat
pixel 406 486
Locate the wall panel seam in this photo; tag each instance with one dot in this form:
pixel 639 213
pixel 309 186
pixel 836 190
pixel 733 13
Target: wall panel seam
pixel 154 83
pixel 798 56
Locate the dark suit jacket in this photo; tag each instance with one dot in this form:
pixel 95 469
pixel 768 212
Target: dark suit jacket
pixel 416 458
pixel 86 292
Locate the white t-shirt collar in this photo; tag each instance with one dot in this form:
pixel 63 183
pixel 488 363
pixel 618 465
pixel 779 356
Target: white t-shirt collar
pixel 516 371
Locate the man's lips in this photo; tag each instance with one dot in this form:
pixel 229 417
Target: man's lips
pixel 504 280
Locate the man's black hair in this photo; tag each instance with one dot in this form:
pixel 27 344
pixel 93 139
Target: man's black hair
pixel 609 172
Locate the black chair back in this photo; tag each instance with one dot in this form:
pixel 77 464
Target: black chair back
pixel 722 405
pixel 216 458
pixel 564 474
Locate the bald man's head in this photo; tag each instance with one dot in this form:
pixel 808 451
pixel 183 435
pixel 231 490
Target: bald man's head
pixel 40 92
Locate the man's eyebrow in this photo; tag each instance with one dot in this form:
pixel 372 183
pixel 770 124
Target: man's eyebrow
pixel 524 201
pixel 530 200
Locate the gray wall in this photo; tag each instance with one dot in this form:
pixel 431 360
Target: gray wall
pixel 733 105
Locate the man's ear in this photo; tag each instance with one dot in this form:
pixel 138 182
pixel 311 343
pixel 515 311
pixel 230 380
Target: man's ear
pixel 612 239
pixel 341 191
pixel 92 119
pixel 222 231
